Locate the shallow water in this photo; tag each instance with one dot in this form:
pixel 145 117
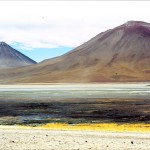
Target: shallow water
pixel 76 91
pixel 74 103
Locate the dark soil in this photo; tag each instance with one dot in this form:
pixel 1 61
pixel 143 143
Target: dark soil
pixel 75 111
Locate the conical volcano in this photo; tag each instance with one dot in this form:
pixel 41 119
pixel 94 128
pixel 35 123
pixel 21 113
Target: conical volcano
pixel 127 44
pixel 11 58
pixel 116 55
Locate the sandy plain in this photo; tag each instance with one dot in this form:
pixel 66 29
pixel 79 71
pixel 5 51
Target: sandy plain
pixel 15 139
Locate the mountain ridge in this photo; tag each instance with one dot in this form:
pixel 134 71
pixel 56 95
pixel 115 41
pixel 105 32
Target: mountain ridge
pixel 120 54
pixel 11 58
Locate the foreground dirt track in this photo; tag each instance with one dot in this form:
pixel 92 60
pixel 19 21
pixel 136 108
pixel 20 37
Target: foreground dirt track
pixel 76 140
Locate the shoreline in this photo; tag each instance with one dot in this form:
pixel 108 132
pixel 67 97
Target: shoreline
pixel 101 127
pixel 16 139
pixel 77 83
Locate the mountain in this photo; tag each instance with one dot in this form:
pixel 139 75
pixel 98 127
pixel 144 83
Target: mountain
pixel 116 55
pixel 11 58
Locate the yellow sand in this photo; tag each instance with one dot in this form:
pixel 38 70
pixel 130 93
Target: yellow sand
pixel 94 127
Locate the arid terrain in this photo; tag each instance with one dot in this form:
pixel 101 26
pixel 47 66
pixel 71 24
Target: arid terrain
pixel 24 109
pixel 119 54
pixel 71 140
pixel 80 93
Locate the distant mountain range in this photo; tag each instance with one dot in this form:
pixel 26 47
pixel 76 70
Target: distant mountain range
pixel 119 54
pixel 11 58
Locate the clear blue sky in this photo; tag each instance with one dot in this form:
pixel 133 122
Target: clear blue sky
pixel 40 54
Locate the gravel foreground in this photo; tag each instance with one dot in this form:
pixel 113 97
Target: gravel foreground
pixel 20 139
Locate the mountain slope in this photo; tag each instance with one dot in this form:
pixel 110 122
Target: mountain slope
pixel 11 58
pixel 119 54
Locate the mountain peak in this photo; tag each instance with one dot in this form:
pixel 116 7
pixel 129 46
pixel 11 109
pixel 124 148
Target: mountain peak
pixel 119 54
pixel 3 43
pixel 131 23
pixel 136 23
pixel 11 58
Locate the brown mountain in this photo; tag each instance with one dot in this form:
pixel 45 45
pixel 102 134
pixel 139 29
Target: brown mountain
pixel 119 54
pixel 11 58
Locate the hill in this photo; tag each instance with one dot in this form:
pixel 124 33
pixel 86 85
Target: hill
pixel 11 58
pixel 119 54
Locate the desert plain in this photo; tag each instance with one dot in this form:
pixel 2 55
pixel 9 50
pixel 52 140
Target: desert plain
pixel 62 116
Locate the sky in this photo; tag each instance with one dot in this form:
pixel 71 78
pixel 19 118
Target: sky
pixel 46 29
